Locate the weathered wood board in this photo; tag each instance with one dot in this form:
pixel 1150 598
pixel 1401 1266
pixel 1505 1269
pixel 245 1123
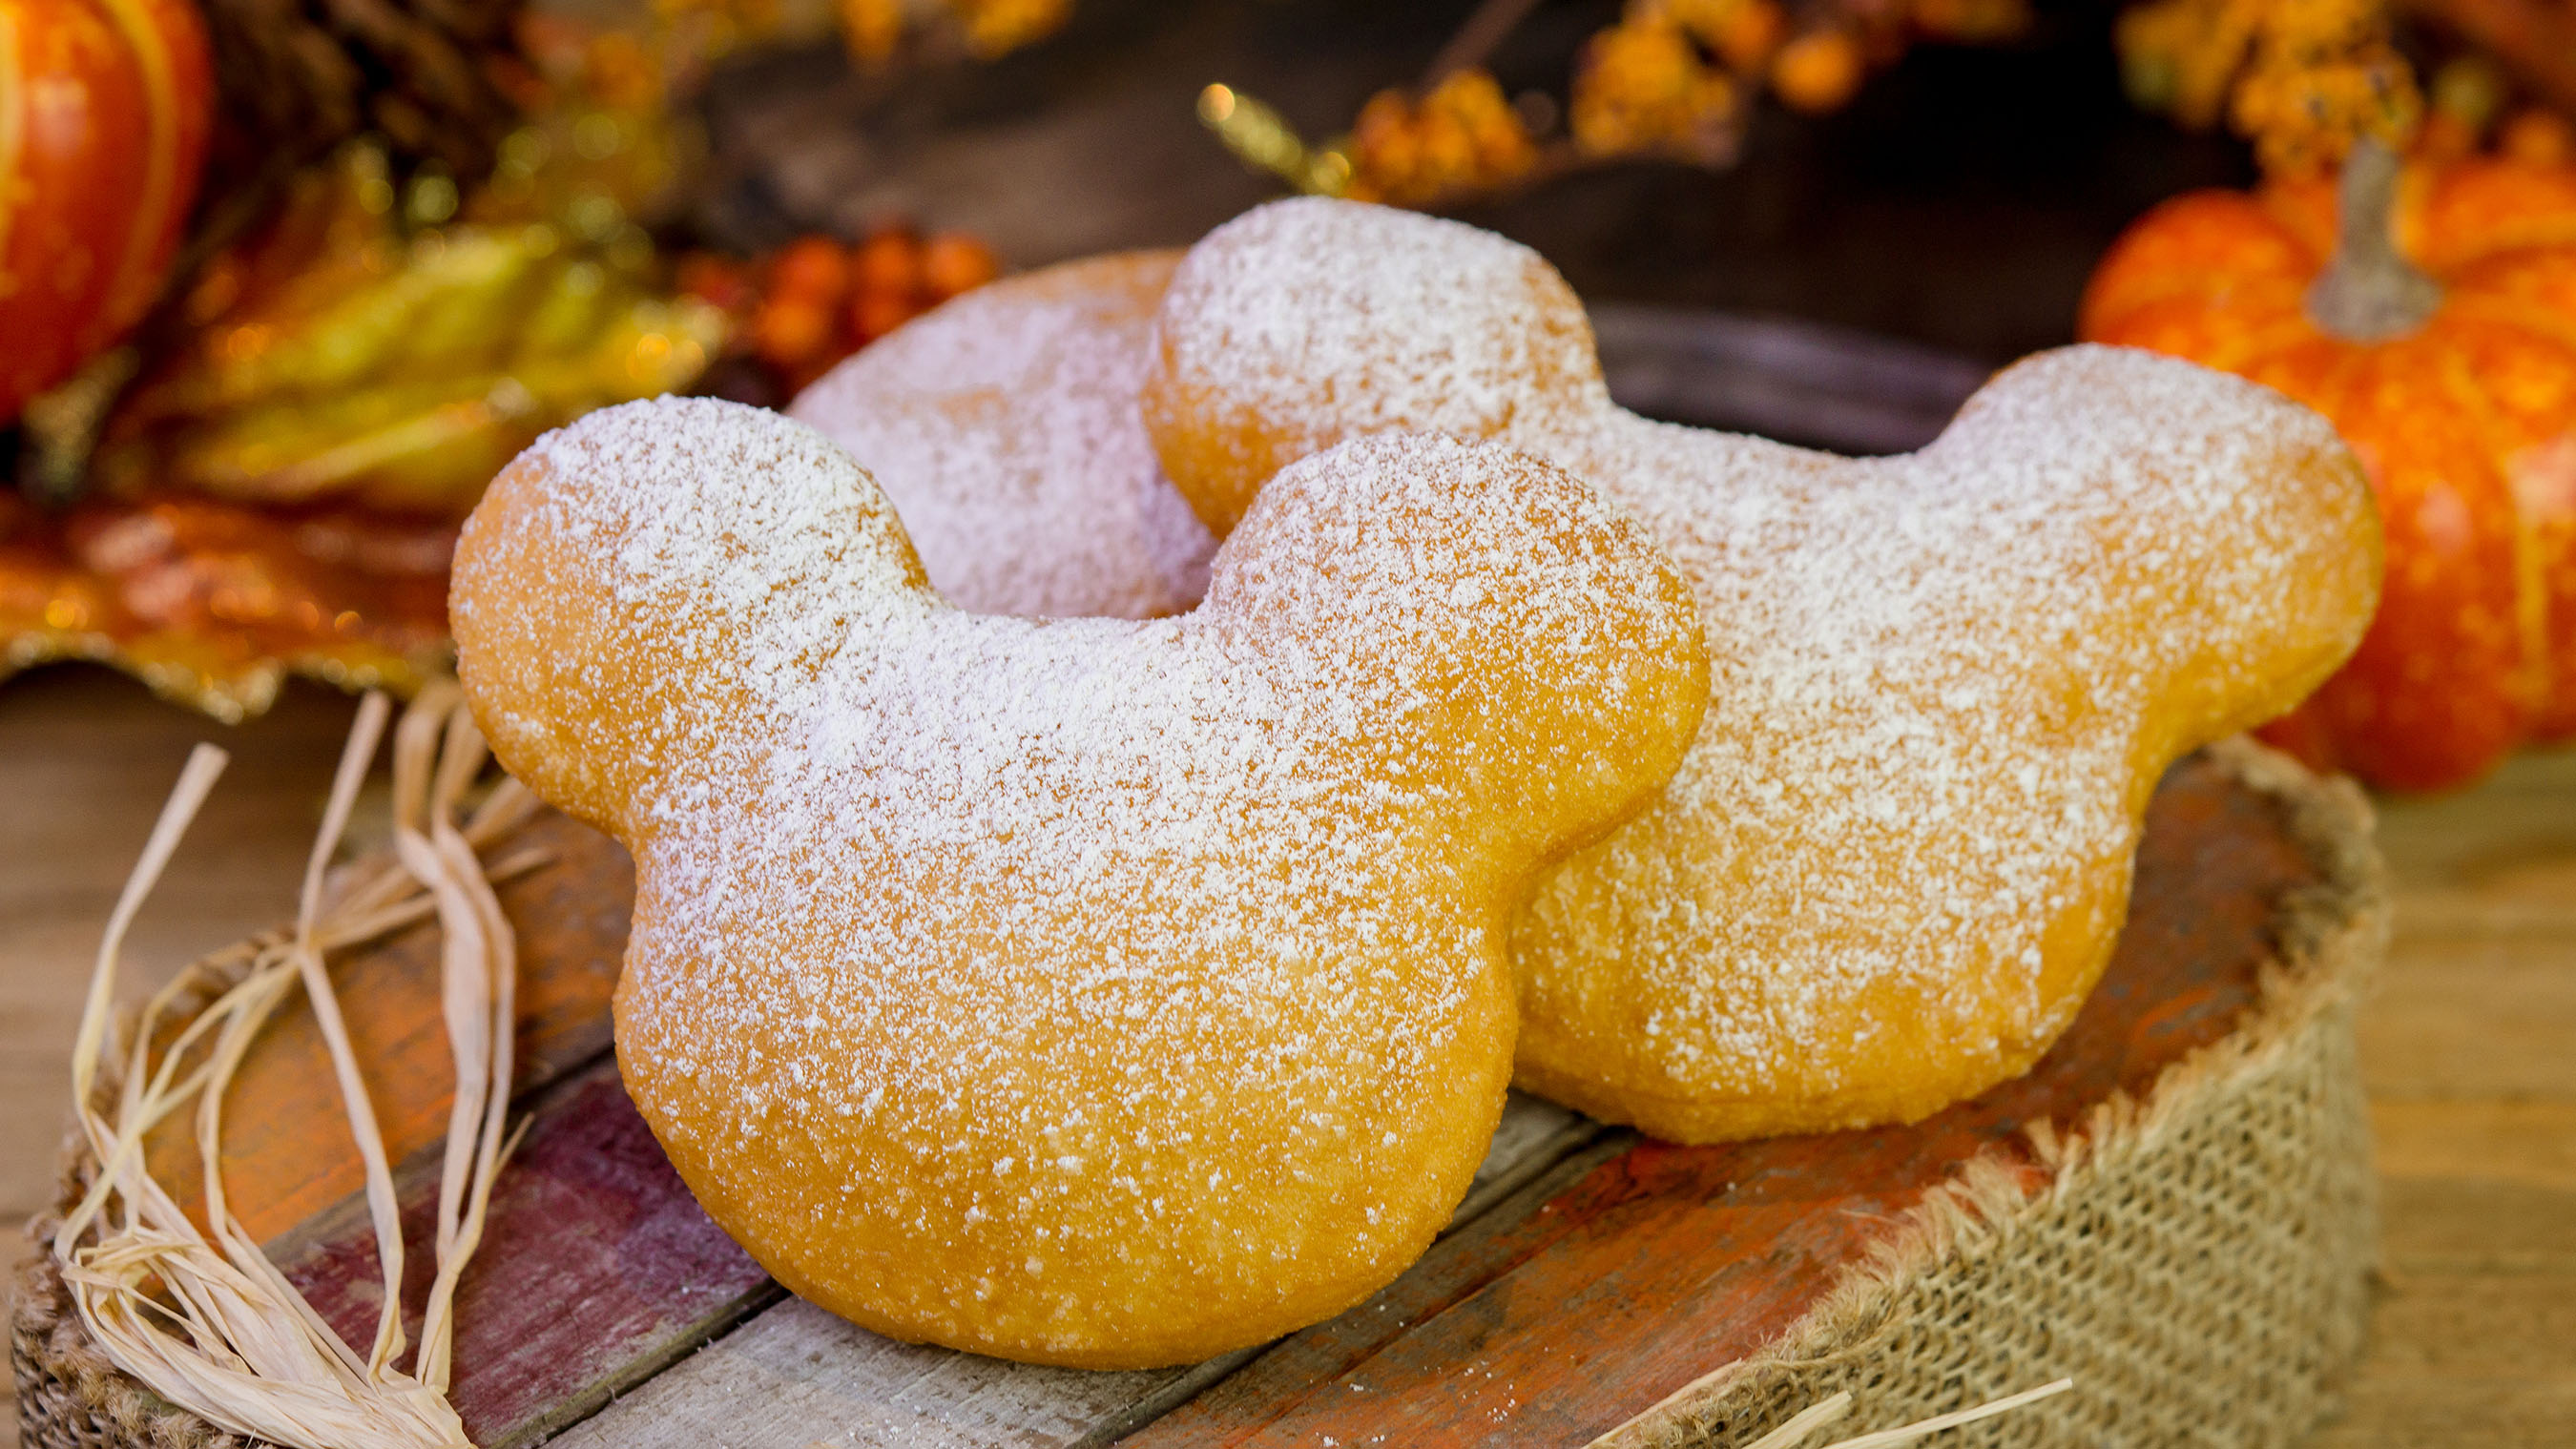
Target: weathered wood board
pixel 1589 1274
pixel 845 1385
pixel 2469 1049
pixel 598 1268
pixel 288 1153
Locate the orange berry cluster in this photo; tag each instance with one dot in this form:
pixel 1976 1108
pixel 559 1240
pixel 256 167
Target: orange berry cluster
pixel 1674 76
pixel 875 29
pixel 1644 85
pixel 1817 72
pixel 2324 73
pixel 1671 78
pixel 1463 136
pixel 2303 79
pixel 817 300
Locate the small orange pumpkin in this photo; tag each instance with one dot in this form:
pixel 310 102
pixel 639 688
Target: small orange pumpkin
pixel 2430 312
pixel 105 111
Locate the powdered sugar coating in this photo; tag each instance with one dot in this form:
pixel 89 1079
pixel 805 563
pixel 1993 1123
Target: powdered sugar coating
pixel 1090 991
pixel 1307 321
pixel 1003 425
pixel 1943 685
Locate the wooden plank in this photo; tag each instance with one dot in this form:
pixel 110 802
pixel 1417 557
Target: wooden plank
pixel 2452 1406
pixel 2525 1140
pixel 2521 819
pixel 797 1376
pixel 2478 1018
pixel 597 1268
pixel 2479 1224
pixel 2460 1360
pixel 2478 998
pixel 287 1151
pixel 1532 1136
pixel 2466 1050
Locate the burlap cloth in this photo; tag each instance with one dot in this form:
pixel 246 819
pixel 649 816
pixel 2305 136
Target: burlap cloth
pixel 2197 1261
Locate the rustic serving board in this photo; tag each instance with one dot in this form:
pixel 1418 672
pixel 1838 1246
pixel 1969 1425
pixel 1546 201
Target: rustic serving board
pixel 1588 1275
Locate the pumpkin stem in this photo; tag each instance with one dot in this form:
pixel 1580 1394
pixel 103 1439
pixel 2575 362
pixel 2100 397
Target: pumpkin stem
pixel 2370 292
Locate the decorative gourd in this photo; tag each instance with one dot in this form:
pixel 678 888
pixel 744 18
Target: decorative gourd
pixel 2430 312
pixel 105 110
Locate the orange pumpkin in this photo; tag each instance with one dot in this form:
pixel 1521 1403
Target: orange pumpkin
pixel 2431 314
pixel 105 110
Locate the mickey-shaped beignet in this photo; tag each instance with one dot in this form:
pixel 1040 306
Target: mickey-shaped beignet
pixel 1087 991
pixel 1003 426
pixel 1942 686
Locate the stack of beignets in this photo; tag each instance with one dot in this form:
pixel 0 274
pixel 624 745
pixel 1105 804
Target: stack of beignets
pixel 1115 991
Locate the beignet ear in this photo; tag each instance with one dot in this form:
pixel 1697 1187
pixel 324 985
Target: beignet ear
pixel 1004 427
pixel 615 643
pixel 1272 344
pixel 1549 662
pixel 2236 613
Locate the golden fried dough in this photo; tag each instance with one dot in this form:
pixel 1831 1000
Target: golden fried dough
pixel 1943 685
pixel 1088 992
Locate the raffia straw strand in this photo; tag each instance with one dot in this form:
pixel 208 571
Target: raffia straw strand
pixel 226 1312
pixel 1889 1438
pixel 196 778
pixel 478 1018
pixel 463 993
pixel 226 1336
pixel 382 1206
pixel 219 1298
pixel 1805 1422
pixel 355 933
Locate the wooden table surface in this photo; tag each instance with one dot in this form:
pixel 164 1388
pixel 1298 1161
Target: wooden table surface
pixel 2470 1042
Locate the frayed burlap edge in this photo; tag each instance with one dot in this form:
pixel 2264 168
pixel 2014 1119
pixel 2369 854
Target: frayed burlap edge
pixel 2197 1261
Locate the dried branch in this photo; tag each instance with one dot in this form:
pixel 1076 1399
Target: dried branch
pixel 1485 28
